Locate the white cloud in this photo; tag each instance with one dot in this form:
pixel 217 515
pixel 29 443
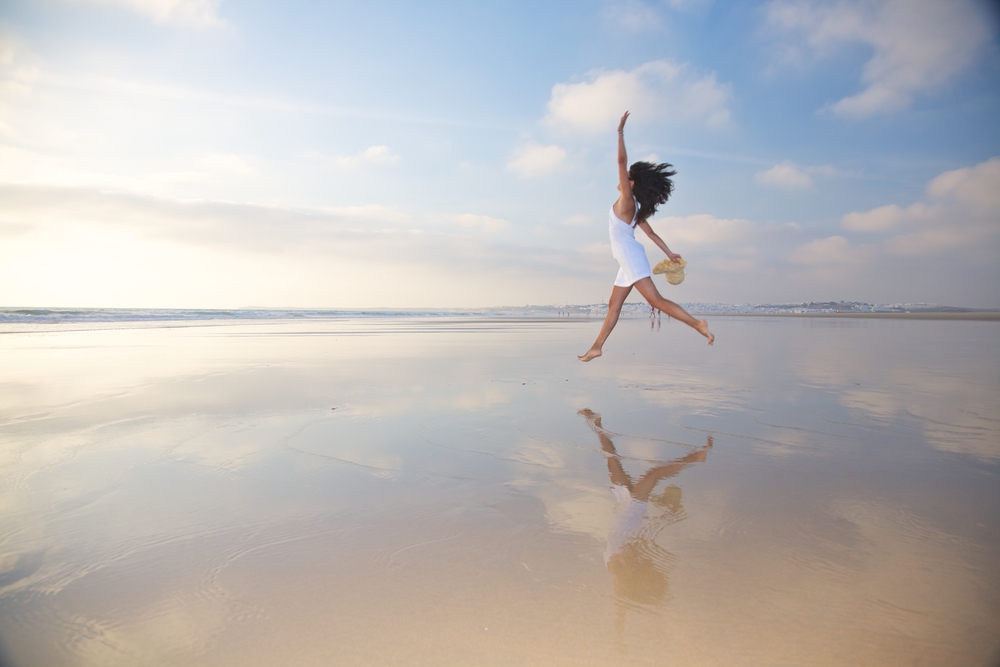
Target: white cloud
pixel 918 45
pixel 18 72
pixel 656 91
pixel 578 221
pixel 75 246
pixel 687 5
pixel 640 16
pixel 371 213
pixel 738 259
pixel 939 241
pixel 876 220
pixel 786 175
pixel 976 188
pixel 8 46
pixel 233 226
pixel 943 249
pixel 634 15
pixel 961 213
pixel 536 160
pixel 703 229
pixel 190 13
pixel 831 250
pixel 722 245
pixel 483 223
pixel 230 164
pixel 80 246
pixel 373 155
pixel 790 176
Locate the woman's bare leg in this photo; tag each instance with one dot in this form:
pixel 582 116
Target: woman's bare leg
pixel 615 469
pixel 649 292
pixel 618 296
pixel 644 487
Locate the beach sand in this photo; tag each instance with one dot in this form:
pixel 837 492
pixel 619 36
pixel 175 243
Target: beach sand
pixel 423 491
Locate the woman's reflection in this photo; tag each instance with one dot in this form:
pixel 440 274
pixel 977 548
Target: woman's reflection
pixel 636 562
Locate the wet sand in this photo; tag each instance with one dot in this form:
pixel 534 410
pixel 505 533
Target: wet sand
pixel 423 491
pixel 976 316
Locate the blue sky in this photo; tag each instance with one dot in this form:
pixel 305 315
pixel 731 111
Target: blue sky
pixel 198 153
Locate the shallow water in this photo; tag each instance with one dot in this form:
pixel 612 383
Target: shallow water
pixel 424 491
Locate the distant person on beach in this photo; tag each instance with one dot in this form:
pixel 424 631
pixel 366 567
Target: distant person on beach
pixel 643 187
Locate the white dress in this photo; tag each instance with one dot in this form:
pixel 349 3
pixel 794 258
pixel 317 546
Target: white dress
pixel 626 522
pixel 627 250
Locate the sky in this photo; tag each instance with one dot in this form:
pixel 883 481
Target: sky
pixel 445 154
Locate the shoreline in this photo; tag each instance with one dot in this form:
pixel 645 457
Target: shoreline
pixel 988 316
pixel 112 319
pixel 540 318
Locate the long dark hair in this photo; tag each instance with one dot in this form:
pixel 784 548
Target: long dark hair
pixel 651 186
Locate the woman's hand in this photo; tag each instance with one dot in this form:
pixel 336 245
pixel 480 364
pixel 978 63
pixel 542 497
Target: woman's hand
pixel 673 257
pixel 621 125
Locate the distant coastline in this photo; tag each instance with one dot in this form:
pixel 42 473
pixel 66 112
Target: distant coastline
pixel 986 315
pixel 841 309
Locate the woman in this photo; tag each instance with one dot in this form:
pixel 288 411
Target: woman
pixel 643 187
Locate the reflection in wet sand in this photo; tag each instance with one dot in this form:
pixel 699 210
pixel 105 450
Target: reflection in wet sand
pixel 189 495
pixel 637 563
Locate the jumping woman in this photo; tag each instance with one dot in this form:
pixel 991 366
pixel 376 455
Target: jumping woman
pixel 643 187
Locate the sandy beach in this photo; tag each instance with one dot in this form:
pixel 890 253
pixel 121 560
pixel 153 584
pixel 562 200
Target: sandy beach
pixel 425 491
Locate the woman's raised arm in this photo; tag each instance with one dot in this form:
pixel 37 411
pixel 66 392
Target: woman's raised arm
pixel 625 206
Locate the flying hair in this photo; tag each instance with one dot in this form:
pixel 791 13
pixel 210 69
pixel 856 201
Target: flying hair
pixel 651 186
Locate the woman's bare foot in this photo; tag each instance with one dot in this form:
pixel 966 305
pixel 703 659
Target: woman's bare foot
pixel 593 419
pixel 592 353
pixel 703 330
pixel 699 455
